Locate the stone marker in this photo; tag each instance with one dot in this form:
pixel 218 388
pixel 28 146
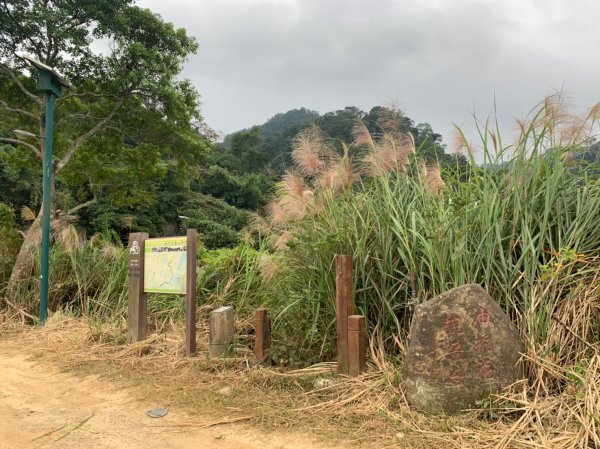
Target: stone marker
pixel 221 327
pixel 462 347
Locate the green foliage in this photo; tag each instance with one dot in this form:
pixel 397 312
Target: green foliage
pixel 245 191
pixel 231 276
pixel 129 123
pixel 215 235
pixel 218 223
pixel 20 182
pixel 9 242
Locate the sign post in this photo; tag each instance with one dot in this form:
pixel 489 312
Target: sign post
pixel 344 292
pixel 190 296
pixel 137 310
pixel 162 265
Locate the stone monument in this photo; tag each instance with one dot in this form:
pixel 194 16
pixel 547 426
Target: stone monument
pixel 462 348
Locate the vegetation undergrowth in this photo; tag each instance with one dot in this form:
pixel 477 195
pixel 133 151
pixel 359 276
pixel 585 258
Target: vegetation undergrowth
pixel 521 219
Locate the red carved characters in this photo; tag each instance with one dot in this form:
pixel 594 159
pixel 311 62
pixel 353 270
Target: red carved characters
pixel 453 326
pixel 455 376
pixel 485 370
pixel 482 343
pixel 456 351
pixel 483 317
pixel 479 343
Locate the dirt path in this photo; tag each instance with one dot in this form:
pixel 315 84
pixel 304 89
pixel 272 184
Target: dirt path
pixel 41 407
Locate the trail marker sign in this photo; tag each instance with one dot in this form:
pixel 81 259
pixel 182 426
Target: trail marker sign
pixel 162 265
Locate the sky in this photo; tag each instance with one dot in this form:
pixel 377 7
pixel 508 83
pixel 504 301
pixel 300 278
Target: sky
pixel 439 61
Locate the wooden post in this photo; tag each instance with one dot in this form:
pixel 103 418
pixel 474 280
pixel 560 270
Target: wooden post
pixel 190 294
pixel 344 292
pixel 221 327
pixel 138 300
pixel 262 331
pixel 357 345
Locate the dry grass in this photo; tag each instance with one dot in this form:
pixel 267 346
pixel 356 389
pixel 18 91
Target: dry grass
pixel 369 410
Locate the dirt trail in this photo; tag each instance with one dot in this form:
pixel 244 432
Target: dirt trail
pixel 41 407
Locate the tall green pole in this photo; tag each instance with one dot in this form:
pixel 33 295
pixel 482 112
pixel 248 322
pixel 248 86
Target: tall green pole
pixel 46 207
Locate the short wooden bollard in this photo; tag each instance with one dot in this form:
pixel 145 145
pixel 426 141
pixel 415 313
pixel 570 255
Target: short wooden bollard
pixel 262 337
pixel 221 328
pixel 344 292
pixel 357 345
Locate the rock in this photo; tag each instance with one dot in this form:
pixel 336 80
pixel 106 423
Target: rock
pixel 462 347
pixel 225 391
pixel 322 383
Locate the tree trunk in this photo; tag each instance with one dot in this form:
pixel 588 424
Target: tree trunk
pixel 25 259
pixel 33 238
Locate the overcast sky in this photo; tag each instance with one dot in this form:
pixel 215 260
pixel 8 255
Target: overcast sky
pixel 440 61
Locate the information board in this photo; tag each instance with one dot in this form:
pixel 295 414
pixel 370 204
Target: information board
pixel 165 262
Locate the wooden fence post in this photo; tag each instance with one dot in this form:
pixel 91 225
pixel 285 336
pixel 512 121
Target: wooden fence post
pixel 190 294
pixel 137 309
pixel 357 345
pixel 221 327
pixel 344 292
pixel 262 334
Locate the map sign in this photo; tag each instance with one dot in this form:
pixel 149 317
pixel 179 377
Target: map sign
pixel 165 262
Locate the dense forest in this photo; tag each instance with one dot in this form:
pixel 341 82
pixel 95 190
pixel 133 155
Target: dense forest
pixel 214 187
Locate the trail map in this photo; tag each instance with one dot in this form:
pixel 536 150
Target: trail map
pixel 165 265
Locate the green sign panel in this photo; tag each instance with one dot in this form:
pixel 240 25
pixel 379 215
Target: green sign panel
pixel 165 265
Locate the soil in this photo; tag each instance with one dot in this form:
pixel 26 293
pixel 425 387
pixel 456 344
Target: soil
pixel 42 407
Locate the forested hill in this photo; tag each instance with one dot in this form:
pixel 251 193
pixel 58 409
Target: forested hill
pixel 271 142
pixel 214 188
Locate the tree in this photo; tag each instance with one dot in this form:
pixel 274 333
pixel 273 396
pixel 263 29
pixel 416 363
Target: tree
pixel 128 115
pixel 339 124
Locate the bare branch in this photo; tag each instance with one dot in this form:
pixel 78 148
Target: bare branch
pixel 20 84
pixel 85 94
pixel 25 144
pixel 19 111
pixel 81 206
pixel 82 138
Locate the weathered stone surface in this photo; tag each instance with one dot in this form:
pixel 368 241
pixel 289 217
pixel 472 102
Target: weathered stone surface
pixel 462 347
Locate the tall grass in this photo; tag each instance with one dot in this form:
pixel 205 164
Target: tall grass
pixel 89 278
pixel 525 225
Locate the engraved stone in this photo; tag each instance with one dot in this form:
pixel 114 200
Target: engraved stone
pixel 462 348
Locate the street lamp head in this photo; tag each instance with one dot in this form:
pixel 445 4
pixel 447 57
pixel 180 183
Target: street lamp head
pixel 24 135
pixel 49 80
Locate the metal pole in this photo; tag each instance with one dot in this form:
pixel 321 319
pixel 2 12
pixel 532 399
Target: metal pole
pixel 46 207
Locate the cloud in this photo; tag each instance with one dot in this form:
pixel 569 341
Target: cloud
pixel 439 59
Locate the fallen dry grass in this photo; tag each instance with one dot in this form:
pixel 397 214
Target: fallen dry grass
pixel 557 407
